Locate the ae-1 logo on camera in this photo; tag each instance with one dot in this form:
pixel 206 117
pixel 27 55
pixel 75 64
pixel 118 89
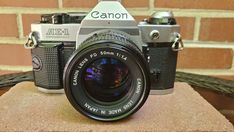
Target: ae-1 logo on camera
pixel 57 32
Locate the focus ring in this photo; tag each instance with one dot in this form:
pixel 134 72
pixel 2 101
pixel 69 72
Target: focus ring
pixel 112 36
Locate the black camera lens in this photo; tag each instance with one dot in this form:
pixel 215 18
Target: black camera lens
pixel 107 79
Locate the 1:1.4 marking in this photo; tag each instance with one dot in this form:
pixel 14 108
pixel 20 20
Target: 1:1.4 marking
pixel 121 56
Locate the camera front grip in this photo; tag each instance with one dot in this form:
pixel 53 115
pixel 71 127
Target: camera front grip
pixel 162 64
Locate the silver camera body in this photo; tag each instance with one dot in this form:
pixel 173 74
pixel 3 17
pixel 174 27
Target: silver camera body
pixel 105 57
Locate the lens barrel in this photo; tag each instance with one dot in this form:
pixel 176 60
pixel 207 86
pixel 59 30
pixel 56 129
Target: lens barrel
pixel 107 78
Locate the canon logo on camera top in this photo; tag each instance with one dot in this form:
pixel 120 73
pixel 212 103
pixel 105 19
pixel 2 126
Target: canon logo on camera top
pixel 110 15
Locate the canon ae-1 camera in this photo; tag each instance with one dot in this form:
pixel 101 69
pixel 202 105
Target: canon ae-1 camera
pixel 105 61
